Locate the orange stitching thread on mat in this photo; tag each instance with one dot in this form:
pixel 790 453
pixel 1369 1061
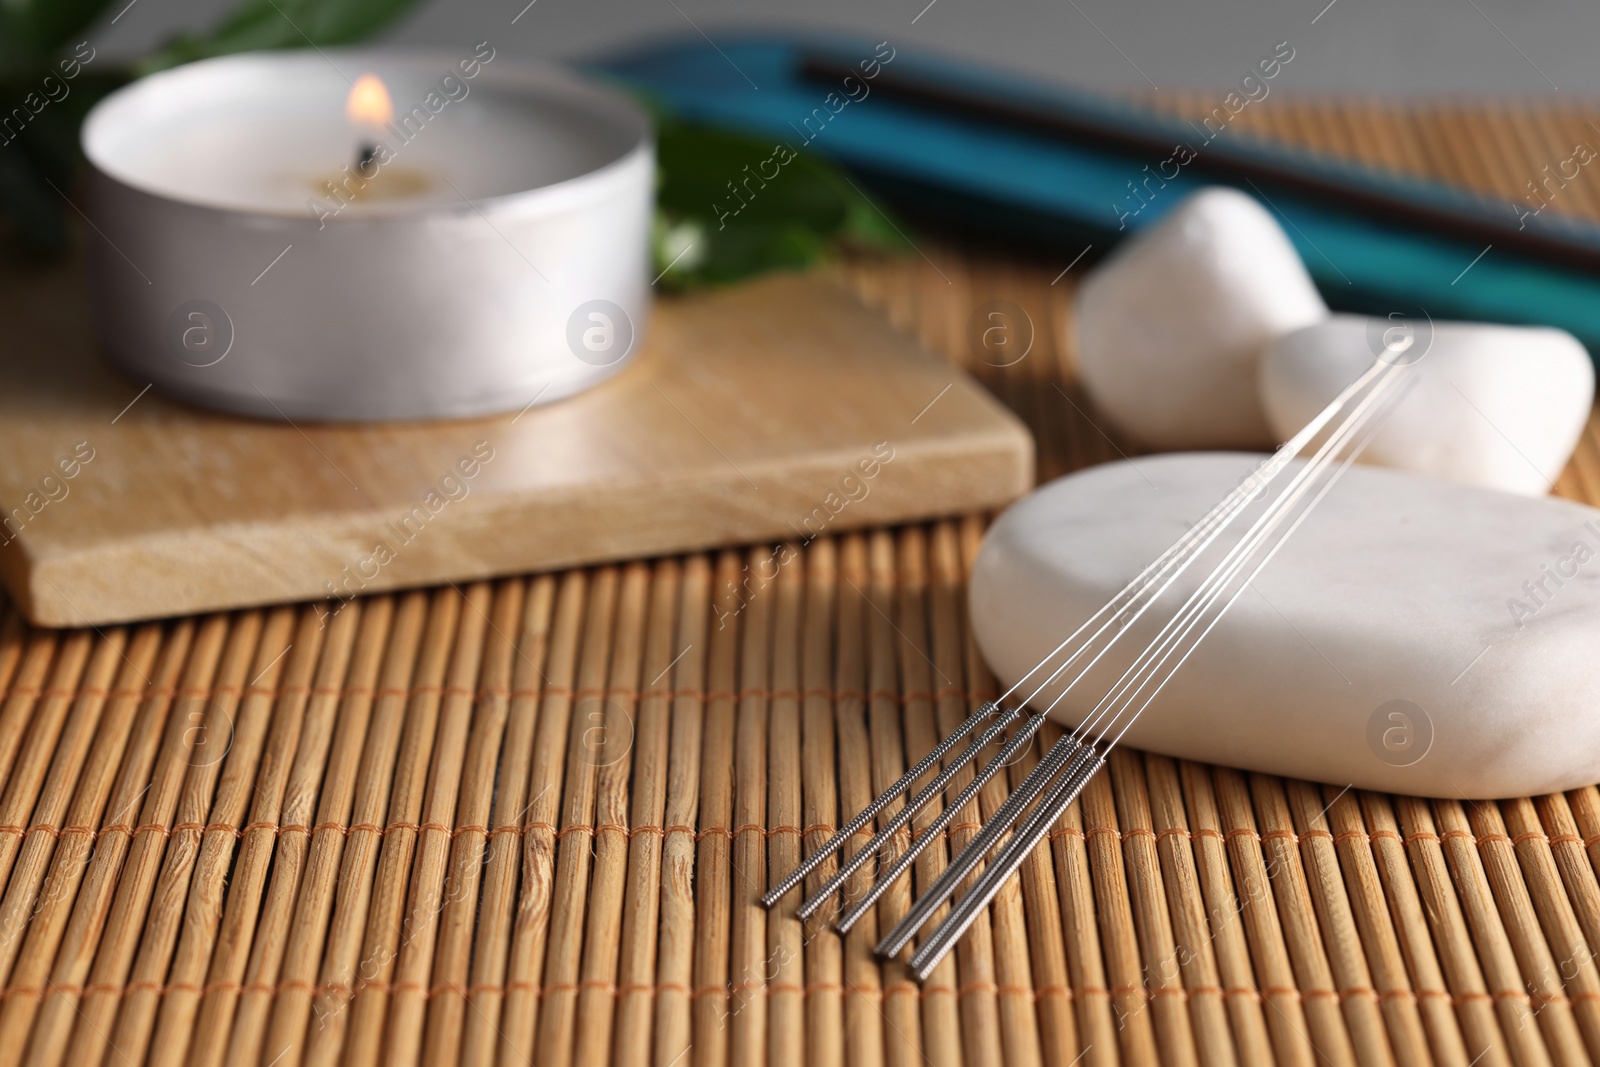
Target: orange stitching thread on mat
pixel 1288 991
pixel 376 985
pixel 779 989
pixel 1205 991
pixel 1053 990
pixel 52 693
pixel 402 824
pixel 632 989
pixel 12 828
pixel 300 828
pixel 427 690
pixel 1362 991
pixel 366 827
pixel 674 987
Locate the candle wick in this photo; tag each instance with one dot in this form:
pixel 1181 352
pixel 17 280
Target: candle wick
pixel 366 161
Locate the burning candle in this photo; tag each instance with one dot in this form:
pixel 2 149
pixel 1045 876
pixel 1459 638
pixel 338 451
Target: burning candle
pixel 369 105
pixel 368 236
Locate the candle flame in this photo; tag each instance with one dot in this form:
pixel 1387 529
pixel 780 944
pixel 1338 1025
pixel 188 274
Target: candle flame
pixel 369 101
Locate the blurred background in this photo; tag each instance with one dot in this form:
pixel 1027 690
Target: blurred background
pixel 1420 47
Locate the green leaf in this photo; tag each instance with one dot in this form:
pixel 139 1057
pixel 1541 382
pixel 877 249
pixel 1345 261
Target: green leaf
pixel 264 24
pixel 711 174
pixel 731 206
pixel 33 209
pixel 44 154
pixel 32 31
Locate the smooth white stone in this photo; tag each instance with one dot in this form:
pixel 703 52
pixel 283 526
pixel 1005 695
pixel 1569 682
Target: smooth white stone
pixel 1397 587
pixel 1171 327
pixel 1501 406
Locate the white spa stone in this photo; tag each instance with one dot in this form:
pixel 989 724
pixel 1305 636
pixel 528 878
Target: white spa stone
pixel 1414 635
pixel 1171 327
pixel 1501 406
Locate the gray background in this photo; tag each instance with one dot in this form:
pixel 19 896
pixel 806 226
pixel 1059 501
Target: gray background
pixel 1410 47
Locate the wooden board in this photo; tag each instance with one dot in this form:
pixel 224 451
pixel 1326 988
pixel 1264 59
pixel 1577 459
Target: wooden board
pixel 777 410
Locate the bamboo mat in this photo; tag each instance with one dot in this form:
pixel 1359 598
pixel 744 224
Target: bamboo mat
pixel 527 821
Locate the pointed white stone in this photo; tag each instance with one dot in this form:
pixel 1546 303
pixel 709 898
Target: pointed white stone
pixel 1499 406
pixel 1172 325
pixel 1414 635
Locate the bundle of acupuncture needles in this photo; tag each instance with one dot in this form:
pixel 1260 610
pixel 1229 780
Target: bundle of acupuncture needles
pixel 1281 493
